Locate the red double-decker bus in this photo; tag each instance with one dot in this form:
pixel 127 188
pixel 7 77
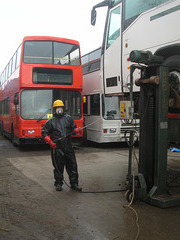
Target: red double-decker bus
pixel 42 70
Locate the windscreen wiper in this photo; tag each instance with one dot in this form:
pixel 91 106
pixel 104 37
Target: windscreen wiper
pixel 41 117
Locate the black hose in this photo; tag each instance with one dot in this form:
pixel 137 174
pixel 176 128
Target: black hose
pixel 103 191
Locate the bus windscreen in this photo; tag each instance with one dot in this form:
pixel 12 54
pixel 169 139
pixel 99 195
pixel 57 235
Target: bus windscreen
pixel 34 103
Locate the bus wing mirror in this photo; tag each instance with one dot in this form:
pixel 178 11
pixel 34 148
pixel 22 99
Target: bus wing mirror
pixel 16 99
pixel 93 17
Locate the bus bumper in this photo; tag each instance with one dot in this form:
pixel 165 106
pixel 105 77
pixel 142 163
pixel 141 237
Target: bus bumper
pixel 26 141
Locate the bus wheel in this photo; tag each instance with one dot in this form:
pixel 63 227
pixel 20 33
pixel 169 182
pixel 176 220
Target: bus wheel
pixel 2 130
pixel 173 63
pixel 12 135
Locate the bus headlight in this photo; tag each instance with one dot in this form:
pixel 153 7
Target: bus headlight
pixel 30 131
pixel 112 130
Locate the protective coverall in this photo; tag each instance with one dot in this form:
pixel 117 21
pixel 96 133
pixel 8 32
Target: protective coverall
pixel 63 156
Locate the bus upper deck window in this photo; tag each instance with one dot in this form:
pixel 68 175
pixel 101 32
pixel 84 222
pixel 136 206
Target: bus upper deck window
pixel 38 52
pixel 135 7
pixel 66 54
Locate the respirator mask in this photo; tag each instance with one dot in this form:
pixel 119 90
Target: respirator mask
pixel 59 111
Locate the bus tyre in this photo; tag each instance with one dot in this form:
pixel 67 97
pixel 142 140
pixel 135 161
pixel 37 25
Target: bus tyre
pixel 173 63
pixel 2 130
pixel 12 136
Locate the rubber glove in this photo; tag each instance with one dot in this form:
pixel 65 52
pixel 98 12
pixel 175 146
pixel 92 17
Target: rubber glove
pixel 78 130
pixel 50 142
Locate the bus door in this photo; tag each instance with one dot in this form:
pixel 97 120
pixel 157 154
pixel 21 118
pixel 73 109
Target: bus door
pixel 112 52
pixel 15 115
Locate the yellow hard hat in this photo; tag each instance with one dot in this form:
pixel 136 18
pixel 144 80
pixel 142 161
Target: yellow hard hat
pixel 58 103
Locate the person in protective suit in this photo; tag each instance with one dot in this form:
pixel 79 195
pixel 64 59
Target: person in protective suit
pixel 61 126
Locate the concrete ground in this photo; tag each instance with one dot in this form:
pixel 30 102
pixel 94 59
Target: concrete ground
pixel 31 209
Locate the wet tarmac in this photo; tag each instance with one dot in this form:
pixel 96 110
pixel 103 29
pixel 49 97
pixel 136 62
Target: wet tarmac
pixel 31 209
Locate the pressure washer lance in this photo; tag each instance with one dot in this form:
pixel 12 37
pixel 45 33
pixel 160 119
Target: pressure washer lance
pixel 61 138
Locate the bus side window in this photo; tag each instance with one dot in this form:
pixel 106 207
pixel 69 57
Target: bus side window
pixel 5 73
pixel 95 104
pixel 6 106
pixel 1 108
pixel 14 63
pixel 18 59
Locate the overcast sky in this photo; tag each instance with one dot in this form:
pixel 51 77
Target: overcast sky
pixel 59 18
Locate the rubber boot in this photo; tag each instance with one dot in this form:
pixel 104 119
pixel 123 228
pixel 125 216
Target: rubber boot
pixel 58 187
pixel 76 187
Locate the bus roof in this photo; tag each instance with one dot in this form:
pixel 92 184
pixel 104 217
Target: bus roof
pixel 49 38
